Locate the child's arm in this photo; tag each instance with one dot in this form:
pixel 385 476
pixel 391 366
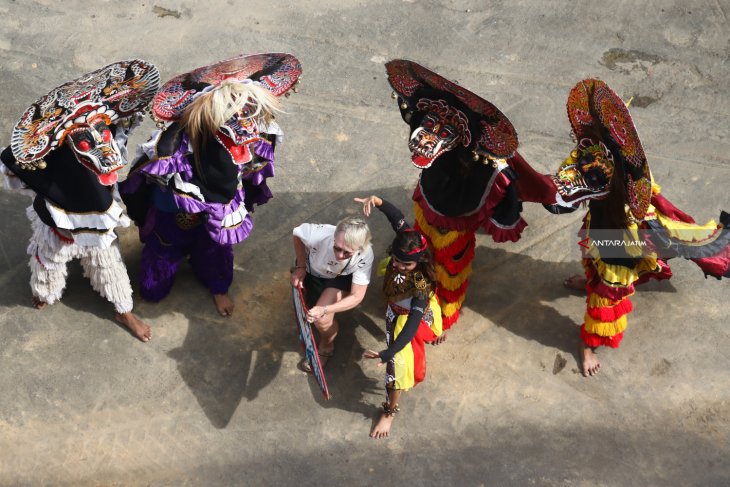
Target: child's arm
pixel 418 306
pixel 394 215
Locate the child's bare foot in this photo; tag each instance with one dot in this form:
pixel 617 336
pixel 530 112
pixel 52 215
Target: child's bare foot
pixel 590 364
pixel 382 427
pixel 440 339
pixel 576 282
pixel 38 303
pixel 223 304
pixel 135 325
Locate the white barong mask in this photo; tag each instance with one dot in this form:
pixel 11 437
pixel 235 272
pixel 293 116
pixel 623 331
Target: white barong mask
pixel 93 144
pixel 81 113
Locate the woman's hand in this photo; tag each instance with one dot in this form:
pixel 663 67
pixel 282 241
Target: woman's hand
pixel 297 277
pixel 315 313
pixel 368 203
pixel 373 355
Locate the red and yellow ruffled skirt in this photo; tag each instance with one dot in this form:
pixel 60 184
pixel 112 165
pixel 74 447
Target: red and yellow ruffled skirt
pixel 610 286
pixel 408 366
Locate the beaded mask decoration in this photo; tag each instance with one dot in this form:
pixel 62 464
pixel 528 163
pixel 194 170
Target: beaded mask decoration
pixel 81 113
pixel 448 115
pixel 597 112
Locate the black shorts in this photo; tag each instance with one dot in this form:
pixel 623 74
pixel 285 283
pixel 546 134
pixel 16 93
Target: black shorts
pixel 314 286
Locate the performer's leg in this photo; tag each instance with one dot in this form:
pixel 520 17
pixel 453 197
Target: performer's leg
pixel 605 319
pixel 158 267
pixel 423 335
pixel 108 276
pixel 590 365
pixel 390 408
pixel 453 253
pixel 49 256
pixel 47 282
pixel 453 273
pixel 213 265
pixel 576 282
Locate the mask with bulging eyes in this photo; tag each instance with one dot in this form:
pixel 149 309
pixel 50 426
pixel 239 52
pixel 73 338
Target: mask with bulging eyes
pixel 440 130
pixel 238 134
pixel 585 175
pixel 93 144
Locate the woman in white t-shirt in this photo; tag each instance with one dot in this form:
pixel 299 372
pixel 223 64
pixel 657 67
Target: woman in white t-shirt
pixel 333 264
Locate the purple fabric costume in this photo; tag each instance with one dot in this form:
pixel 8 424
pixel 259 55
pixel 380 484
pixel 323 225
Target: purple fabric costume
pixel 179 222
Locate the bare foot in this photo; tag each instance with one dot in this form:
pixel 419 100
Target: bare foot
pixel 382 427
pixel 38 303
pixel 135 325
pixel 590 363
pixel 577 282
pixel 440 339
pixel 223 304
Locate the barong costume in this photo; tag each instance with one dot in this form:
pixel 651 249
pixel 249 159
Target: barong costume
pixel 464 147
pixel 412 317
pixel 65 152
pixel 182 208
pixel 609 149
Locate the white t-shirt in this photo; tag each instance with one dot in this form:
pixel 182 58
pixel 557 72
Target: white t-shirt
pixel 319 239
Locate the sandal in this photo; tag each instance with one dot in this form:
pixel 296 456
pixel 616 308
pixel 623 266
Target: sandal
pixel 324 357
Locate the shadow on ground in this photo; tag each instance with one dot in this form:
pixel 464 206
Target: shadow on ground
pixel 224 361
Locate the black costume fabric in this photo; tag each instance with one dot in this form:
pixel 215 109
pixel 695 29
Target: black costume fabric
pixel 64 182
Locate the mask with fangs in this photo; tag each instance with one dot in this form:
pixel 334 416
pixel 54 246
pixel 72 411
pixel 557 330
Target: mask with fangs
pixel 93 144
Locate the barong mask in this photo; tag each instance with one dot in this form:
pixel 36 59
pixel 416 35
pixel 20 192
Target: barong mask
pixel 444 116
pixel 273 73
pixel 93 144
pixel 82 114
pixel 441 129
pixel 238 134
pixel 585 174
pixel 597 113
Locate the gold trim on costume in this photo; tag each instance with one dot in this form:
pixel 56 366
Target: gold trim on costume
pixel 448 281
pixel 604 328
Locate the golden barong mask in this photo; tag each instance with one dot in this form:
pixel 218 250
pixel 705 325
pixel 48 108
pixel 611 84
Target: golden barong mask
pixel 585 175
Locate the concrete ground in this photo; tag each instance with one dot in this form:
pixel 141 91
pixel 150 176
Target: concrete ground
pixel 213 401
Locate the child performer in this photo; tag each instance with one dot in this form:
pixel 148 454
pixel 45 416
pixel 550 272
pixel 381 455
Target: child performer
pixel 413 314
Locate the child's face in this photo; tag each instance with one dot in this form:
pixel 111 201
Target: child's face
pixel 401 266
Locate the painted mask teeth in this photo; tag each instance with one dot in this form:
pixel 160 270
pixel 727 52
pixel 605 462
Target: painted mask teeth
pixel 425 152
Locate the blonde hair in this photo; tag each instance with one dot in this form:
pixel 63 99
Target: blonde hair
pixel 355 231
pixel 212 109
